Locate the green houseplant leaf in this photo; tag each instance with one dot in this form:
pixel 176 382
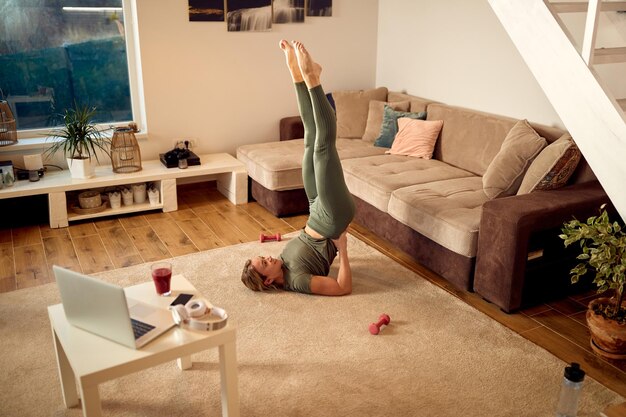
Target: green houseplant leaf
pixel 603 250
pixel 79 137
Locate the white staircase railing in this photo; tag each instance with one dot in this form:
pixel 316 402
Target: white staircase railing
pixel 592 115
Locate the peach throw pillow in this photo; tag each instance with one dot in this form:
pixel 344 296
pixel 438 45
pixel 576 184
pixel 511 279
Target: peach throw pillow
pixel 416 137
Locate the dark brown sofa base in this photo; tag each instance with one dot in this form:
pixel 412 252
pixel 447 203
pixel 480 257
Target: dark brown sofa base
pixel 288 202
pixel 521 260
pixel 279 203
pixel 455 268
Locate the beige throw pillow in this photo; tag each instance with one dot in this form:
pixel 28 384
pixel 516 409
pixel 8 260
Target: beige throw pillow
pixel 505 173
pixel 375 117
pixel 553 167
pixel 352 108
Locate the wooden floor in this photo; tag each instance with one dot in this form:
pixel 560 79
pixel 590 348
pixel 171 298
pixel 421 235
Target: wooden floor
pixel 206 220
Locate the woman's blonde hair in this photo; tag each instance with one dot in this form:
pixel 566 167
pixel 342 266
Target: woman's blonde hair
pixel 253 279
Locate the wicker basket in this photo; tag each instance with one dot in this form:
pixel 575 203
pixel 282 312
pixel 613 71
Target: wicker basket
pixel 8 128
pixel 89 199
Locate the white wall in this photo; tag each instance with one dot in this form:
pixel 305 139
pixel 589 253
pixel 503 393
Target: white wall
pixel 225 89
pixel 456 52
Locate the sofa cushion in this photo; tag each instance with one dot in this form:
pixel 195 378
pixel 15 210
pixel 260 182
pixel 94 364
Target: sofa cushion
pixel 447 212
pixel 469 139
pixel 416 138
pixel 352 108
pixel 277 166
pixel 375 117
pixel 506 172
pixel 553 167
pixel 374 178
pixel 389 127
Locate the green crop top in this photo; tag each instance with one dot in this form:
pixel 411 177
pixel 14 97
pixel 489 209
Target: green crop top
pixel 304 257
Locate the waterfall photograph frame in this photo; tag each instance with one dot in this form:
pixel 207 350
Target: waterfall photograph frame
pixel 206 10
pixel 257 15
pixel 322 8
pixel 288 11
pixel 249 15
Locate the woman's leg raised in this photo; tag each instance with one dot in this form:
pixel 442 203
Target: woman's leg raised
pixel 333 210
pixel 306 113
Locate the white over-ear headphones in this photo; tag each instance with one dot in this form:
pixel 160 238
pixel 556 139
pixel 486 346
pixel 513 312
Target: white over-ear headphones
pixel 197 314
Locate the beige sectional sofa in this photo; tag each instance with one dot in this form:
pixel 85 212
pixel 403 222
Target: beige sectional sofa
pixel 433 208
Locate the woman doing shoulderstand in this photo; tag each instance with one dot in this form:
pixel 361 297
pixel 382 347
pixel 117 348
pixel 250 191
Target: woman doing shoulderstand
pixel 304 264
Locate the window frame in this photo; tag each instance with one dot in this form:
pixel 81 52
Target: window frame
pixel 35 138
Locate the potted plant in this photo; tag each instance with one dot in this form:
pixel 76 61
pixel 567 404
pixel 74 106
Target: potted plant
pixel 603 245
pixel 79 138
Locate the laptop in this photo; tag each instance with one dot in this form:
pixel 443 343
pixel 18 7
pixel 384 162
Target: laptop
pixel 103 309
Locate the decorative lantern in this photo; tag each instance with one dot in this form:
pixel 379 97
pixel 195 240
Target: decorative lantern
pixel 125 152
pixel 8 130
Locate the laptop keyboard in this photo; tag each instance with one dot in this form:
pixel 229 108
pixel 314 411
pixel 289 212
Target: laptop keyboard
pixel 140 328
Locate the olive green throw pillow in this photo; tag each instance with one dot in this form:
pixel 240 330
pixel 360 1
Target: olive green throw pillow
pixel 389 128
pixel 505 173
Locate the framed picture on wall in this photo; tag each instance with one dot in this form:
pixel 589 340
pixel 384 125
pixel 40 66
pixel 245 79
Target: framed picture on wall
pixel 288 11
pixel 319 8
pixel 249 15
pixel 206 10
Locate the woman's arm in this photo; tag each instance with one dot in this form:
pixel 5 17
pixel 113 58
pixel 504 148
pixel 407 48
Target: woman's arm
pixel 343 284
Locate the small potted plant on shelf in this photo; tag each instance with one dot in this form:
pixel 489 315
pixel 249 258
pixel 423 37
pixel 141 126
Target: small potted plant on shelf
pixel 80 139
pixel 603 246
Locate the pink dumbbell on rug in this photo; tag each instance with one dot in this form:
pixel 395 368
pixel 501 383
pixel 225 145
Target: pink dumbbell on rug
pixel 375 327
pixel 267 238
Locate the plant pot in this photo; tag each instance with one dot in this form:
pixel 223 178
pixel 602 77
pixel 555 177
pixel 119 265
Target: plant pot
pixel 153 196
pixel 608 337
pixel 81 168
pixel 127 196
pixel 115 199
pixel 139 192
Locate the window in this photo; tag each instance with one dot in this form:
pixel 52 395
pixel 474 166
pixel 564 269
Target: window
pixel 54 53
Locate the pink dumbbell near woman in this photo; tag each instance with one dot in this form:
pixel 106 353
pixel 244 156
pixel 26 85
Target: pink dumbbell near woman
pixel 266 238
pixel 382 320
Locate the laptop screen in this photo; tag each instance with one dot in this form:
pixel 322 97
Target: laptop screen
pixel 95 306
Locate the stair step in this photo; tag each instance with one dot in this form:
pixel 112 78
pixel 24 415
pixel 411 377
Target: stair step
pixel 609 55
pixel 578 7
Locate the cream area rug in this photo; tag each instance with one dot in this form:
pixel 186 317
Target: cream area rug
pixel 301 355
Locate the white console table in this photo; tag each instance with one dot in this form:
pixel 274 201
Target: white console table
pixel 230 173
pixel 87 360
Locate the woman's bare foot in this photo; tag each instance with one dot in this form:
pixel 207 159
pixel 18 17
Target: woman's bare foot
pixel 310 69
pixel 292 61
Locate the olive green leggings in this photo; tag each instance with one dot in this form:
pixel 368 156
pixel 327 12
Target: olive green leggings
pixel 331 208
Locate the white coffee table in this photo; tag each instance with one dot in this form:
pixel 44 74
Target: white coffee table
pixel 89 360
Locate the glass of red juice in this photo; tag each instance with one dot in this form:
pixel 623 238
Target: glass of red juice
pixel 162 277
